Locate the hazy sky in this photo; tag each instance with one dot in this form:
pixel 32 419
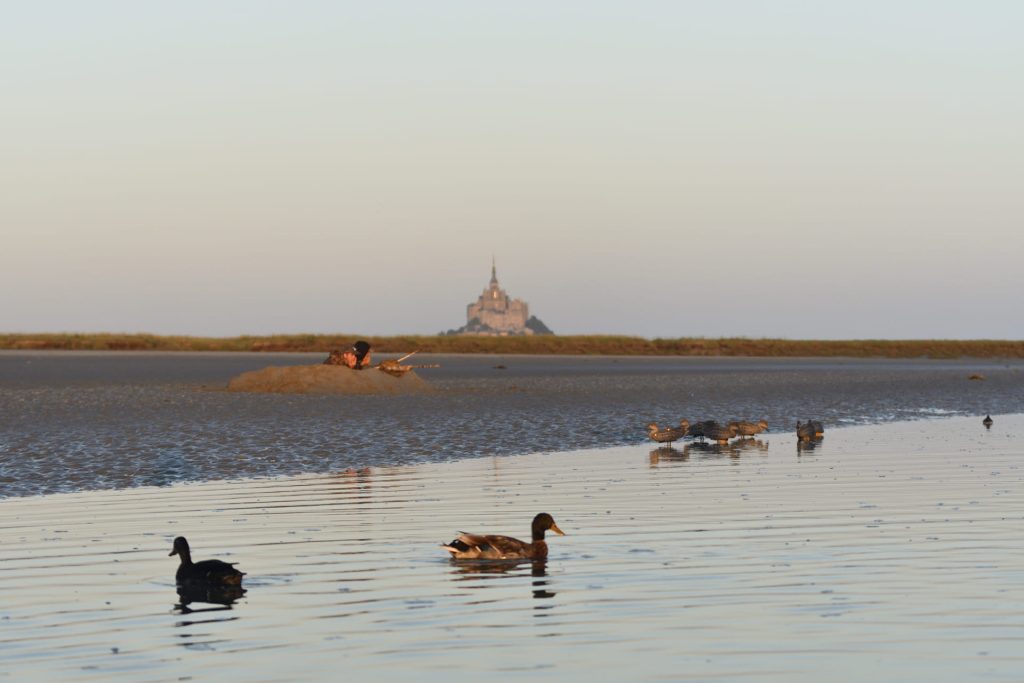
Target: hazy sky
pixel 795 169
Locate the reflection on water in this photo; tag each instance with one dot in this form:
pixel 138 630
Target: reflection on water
pixel 668 454
pixel 515 570
pixel 809 445
pixel 752 444
pixel 733 449
pixel 189 593
pixel 734 562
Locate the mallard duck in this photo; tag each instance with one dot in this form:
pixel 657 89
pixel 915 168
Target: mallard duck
pixel 473 547
pixel 207 571
pixel 987 421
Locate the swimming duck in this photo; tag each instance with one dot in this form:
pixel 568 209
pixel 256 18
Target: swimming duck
pixel 473 547
pixel 987 421
pixel 207 571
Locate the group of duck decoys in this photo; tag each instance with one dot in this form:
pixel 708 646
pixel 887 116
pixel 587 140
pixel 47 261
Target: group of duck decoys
pixel 709 429
pixel 715 431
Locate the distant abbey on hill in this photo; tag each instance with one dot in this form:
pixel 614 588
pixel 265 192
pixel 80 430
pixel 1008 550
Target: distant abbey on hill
pixel 495 314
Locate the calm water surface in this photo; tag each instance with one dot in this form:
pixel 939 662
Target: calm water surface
pixel 890 553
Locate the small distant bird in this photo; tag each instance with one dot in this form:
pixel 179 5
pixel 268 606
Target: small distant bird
pixel 474 547
pixel 207 571
pixel 987 422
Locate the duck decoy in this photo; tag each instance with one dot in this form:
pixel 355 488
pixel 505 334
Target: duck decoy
pixel 805 431
pixel 703 429
pixel 987 422
pixel 474 547
pixel 717 432
pixel 207 571
pixel 668 434
pixel 750 428
pixel 696 430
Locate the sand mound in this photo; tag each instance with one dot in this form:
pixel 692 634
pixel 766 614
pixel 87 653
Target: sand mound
pixel 327 379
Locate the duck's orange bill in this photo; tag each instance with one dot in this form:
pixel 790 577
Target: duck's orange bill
pixel 554 527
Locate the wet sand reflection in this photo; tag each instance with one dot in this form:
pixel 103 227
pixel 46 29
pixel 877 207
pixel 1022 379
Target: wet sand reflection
pixel 706 449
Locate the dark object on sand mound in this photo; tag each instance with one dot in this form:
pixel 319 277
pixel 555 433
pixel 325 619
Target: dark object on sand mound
pixel 326 379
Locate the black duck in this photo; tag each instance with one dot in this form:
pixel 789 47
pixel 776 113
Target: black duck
pixel 207 571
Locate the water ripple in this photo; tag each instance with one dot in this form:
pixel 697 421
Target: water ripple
pixel 890 553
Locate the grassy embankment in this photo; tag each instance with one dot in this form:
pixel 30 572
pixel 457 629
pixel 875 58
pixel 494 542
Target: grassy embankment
pixel 556 345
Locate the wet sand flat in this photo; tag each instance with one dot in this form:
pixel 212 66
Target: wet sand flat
pixel 887 552
pixel 81 421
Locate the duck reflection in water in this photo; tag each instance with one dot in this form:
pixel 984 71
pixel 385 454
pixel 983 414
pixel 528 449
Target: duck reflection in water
pixel 808 446
pixel 213 594
pixel 733 449
pixel 354 483
pixel 669 454
pixel 750 445
pixel 472 570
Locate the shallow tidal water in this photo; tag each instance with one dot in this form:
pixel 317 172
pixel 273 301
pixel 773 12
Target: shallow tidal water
pixel 890 552
pixel 82 421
